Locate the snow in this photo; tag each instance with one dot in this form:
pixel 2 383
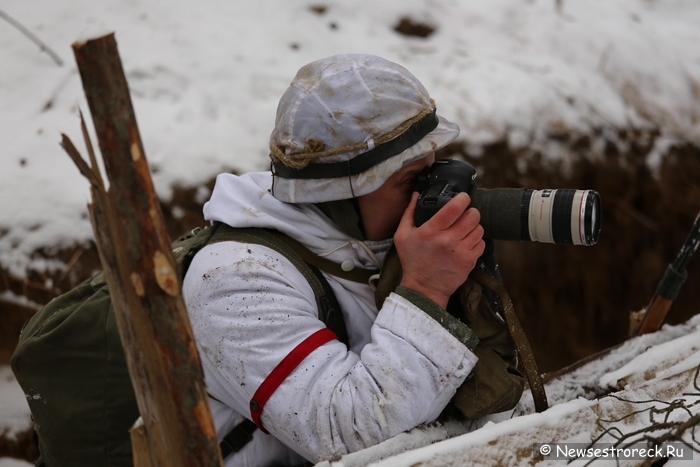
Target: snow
pixel 654 370
pixel 205 83
pixel 13 405
pixel 657 369
pixel 205 80
pixel 9 462
pixel 14 412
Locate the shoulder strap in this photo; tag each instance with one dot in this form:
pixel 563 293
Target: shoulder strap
pixel 238 437
pixel 185 247
pixel 356 274
pixel 272 238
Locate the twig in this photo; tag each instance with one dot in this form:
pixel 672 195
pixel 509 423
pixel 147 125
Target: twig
pixel 695 382
pixel 635 214
pixel 90 149
pixel 54 95
pixel 32 37
pixel 672 431
pixel 69 265
pixel 86 171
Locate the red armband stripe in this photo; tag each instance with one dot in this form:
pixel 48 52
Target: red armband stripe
pixel 283 369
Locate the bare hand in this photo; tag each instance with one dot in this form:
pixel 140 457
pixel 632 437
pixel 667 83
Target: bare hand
pixel 438 256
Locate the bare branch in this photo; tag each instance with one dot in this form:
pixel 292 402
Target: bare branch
pixel 32 37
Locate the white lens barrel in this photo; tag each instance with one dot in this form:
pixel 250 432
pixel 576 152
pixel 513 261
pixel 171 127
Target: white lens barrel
pixel 564 216
pixel 540 216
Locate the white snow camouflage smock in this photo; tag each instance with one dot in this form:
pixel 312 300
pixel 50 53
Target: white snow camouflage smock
pixel 250 307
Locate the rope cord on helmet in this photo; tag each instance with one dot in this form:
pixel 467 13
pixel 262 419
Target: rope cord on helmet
pixel 405 135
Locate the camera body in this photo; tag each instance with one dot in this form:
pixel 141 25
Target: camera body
pixel 441 182
pixel 562 216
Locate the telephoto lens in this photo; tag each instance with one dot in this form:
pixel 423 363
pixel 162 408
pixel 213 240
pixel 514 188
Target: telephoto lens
pixel 561 216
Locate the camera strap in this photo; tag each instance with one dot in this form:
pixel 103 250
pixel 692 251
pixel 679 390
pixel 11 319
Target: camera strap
pixel 522 345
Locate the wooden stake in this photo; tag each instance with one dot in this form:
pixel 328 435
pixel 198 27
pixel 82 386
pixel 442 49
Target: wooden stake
pixel 139 446
pixel 140 270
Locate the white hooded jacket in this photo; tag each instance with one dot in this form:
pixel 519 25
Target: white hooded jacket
pixel 250 307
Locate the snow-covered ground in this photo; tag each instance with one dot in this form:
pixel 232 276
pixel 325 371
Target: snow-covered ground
pixel 205 79
pixel 646 372
pixel 14 411
pixel 647 380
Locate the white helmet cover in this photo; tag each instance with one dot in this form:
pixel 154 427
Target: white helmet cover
pixel 344 106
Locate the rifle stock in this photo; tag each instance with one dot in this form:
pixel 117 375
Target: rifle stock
pixel 671 283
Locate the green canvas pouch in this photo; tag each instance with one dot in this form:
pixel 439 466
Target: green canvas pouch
pixel 90 404
pixel 495 384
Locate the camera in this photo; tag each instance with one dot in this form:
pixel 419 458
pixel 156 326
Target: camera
pixel 561 216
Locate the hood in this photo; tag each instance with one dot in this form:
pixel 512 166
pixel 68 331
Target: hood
pixel 247 201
